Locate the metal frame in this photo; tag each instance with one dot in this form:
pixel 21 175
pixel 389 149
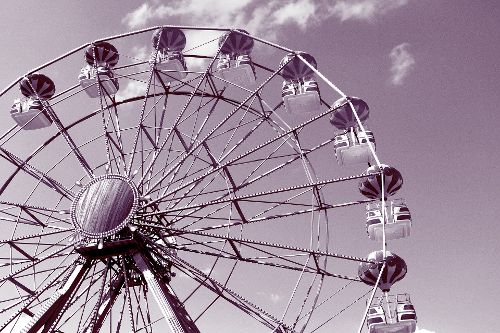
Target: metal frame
pixel 200 177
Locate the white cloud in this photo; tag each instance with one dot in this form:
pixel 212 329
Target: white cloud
pixel 258 17
pixel 261 18
pixel 275 298
pixel 364 9
pixel 140 16
pixel 402 61
pixel 197 64
pixel 423 330
pixel 207 270
pixel 140 53
pixel 198 41
pixel 299 12
pixel 132 89
pixel 214 12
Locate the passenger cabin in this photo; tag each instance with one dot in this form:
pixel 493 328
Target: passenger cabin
pixel 352 146
pixel 301 96
pixel 401 316
pixel 375 318
pixel 240 71
pixel 406 314
pixel 171 66
pixel 88 81
pixel 398 219
pixel 31 113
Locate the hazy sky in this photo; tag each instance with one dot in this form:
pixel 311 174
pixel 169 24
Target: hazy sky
pixel 429 69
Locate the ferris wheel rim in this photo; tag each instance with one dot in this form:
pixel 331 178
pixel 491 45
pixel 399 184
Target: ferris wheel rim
pixel 124 102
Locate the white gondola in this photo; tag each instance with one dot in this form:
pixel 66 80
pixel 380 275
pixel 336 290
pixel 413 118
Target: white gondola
pixel 301 97
pixel 31 113
pixel 352 146
pixel 375 318
pixel 401 317
pixel 88 81
pixel 171 66
pixel 406 314
pixel 398 220
pixel 240 71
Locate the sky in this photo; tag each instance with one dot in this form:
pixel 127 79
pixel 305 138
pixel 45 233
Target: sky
pixel 429 71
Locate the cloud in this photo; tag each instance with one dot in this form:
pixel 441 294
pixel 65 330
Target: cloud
pixel 261 18
pixel 299 12
pixel 266 18
pixel 402 61
pixel 207 270
pixel 275 298
pixel 140 16
pixel 423 330
pixel 198 41
pixel 140 53
pixel 215 12
pixel 134 88
pixel 364 9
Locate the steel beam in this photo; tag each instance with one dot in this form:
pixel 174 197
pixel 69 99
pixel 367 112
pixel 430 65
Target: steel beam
pixel 175 314
pixel 72 145
pixel 106 304
pixel 50 311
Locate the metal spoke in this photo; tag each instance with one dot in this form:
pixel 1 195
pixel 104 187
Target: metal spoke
pixel 227 294
pixel 181 113
pixel 71 143
pixel 228 163
pixel 107 301
pixel 243 197
pixel 287 265
pixel 212 131
pixel 35 173
pixel 25 302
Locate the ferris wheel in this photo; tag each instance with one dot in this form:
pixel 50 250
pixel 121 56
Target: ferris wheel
pixel 192 188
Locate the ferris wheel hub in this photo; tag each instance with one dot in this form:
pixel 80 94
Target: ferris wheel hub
pixel 104 206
